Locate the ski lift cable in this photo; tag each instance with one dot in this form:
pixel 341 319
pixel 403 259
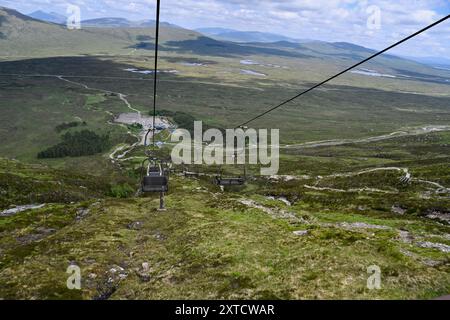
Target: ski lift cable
pixel 158 6
pixel 344 71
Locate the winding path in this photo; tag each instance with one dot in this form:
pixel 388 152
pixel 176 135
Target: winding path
pixel 397 134
pixel 121 96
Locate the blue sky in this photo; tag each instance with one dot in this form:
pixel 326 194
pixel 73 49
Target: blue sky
pixel 328 20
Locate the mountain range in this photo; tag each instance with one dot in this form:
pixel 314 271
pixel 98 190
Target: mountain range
pixel 52 17
pixel 432 61
pixel 122 23
pixel 106 22
pixel 22 35
pixel 245 36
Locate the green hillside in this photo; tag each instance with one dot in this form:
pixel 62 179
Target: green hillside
pixel 19 33
pixel 363 176
pixel 216 245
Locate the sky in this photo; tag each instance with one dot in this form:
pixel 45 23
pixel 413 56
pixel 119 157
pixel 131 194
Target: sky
pixel 371 23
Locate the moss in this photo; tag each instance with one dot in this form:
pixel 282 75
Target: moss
pixel 209 245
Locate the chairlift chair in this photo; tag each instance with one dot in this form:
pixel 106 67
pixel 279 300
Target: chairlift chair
pixel 235 181
pixel 230 181
pixel 189 173
pixel 156 178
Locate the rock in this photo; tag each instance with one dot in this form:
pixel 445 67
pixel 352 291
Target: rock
pixel 82 213
pixel 282 199
pixel 41 233
pixel 301 232
pixel 285 178
pixel 145 272
pixel 137 225
pixel 432 245
pixel 18 209
pixel 405 236
pixel 398 210
pixel 362 225
pixel 116 274
pixel 159 236
pixel 274 212
pixel 438 215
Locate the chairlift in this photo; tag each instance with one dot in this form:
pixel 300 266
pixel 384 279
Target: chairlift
pixel 190 173
pixel 156 178
pixel 220 180
pixel 234 181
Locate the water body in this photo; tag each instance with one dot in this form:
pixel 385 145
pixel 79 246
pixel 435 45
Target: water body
pixel 249 62
pixel 372 73
pixel 149 71
pixel 253 73
pixel 192 64
pixel 255 63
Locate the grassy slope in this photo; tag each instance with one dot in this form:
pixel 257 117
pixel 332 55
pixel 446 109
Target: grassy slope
pixel 208 245
pixel 24 183
pixel 36 107
pixel 19 33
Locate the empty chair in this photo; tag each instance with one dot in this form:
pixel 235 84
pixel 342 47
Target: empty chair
pixel 156 179
pixel 239 181
pixel 230 181
pixel 155 184
pixel 191 174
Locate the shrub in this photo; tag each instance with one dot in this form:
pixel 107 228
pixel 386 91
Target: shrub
pixel 122 191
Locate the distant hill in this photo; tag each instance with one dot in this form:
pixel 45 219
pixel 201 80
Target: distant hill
pixel 111 22
pixel 22 35
pixel 245 36
pixel 432 61
pixel 52 17
pixel 106 22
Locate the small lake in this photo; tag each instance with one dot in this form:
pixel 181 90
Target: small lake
pixel 372 73
pixel 249 62
pixel 149 71
pixel 253 73
pixel 192 64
